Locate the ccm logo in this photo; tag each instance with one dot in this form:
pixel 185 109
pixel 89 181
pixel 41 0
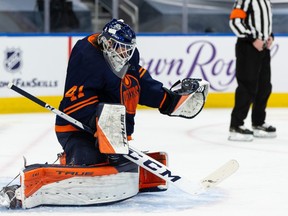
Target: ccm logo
pixel 154 166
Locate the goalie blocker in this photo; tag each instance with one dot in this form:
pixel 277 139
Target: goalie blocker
pixel 63 185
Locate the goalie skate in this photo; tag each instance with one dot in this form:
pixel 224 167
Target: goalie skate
pixel 4 199
pixel 8 197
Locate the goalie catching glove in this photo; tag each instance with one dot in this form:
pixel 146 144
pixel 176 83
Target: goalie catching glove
pixel 186 100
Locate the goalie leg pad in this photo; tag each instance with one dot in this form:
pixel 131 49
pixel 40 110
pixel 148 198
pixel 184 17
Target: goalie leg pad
pixel 149 182
pixel 77 186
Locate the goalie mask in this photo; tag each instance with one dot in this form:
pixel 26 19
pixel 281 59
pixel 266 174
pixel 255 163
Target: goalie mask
pixel 119 42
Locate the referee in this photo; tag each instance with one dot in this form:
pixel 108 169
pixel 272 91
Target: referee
pixel 251 22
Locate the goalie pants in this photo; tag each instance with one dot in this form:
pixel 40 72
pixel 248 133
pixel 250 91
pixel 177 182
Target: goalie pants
pixel 253 75
pixel 80 148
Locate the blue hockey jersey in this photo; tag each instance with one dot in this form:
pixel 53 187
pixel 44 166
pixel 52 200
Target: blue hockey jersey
pixel 90 81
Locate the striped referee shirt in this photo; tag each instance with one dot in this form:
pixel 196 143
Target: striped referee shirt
pixel 251 19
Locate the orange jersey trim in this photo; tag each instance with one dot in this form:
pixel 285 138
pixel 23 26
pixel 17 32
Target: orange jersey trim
pixel 163 100
pixel 80 105
pixel 65 128
pixel 92 39
pixel 238 13
pixel 142 71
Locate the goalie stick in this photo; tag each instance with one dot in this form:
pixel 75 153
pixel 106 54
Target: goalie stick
pixel 147 162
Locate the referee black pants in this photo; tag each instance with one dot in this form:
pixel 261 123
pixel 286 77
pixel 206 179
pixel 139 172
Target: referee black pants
pixel 253 75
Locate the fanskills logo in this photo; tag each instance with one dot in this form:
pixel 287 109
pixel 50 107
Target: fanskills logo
pixel 13 59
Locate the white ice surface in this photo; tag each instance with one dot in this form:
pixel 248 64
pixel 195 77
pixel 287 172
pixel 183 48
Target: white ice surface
pixel 195 148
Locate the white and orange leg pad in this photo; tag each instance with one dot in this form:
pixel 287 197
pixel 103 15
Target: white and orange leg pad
pixel 57 185
pixel 149 182
pixel 111 129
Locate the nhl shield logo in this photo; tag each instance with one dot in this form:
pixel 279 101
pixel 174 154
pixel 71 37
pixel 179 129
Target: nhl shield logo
pixel 13 59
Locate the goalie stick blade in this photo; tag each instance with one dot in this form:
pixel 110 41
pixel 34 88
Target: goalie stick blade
pixel 220 174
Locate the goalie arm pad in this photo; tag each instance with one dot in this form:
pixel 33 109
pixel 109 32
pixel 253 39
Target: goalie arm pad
pixel 186 101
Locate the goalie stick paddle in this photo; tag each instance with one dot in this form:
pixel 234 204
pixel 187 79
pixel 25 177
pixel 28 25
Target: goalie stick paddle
pixel 147 162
